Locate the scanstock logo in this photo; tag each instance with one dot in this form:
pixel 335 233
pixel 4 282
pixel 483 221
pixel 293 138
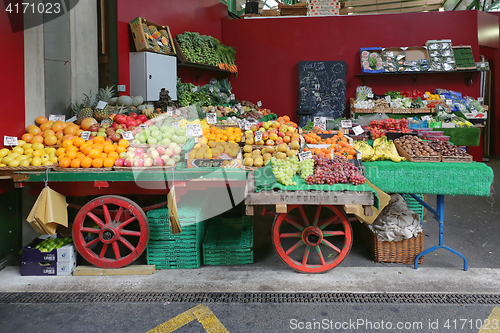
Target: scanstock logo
pixel 28 14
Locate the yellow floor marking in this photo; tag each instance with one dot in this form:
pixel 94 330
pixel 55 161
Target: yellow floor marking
pixel 201 313
pixel 492 324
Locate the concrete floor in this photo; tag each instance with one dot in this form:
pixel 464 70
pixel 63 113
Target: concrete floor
pixel 472 227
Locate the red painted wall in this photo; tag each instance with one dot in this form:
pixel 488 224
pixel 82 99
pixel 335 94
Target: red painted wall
pixel 12 82
pixel 268 51
pixel 203 16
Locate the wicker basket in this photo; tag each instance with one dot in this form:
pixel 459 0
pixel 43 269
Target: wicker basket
pixel 402 252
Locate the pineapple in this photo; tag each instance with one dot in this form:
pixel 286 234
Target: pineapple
pixel 104 95
pixel 166 48
pixel 76 108
pixel 146 31
pixel 87 111
pixel 153 30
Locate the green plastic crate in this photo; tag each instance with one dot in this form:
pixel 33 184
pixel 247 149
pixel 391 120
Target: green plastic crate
pixel 229 241
pixel 414 205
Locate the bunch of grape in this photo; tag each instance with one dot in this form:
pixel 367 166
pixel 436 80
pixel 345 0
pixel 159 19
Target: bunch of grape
pixel 334 171
pixel 306 168
pixel 285 169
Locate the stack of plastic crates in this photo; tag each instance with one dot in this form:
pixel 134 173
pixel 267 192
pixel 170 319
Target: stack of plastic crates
pixel 229 241
pixel 168 251
pixel 414 205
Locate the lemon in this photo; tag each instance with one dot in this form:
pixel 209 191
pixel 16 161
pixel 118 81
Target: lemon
pixel 25 163
pixel 38 152
pixel 44 157
pixel 49 150
pixel 53 159
pixel 37 146
pixel 21 142
pixel 13 155
pixel 47 163
pixel 30 159
pixel 29 155
pixel 14 163
pixel 4 152
pixel 19 150
pixel 52 154
pixel 2 165
pixel 26 146
pixel 37 161
pixel 28 151
pixel 21 157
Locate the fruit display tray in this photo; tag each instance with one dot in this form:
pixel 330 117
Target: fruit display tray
pixel 402 152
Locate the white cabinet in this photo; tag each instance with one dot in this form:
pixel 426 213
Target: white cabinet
pixel 150 72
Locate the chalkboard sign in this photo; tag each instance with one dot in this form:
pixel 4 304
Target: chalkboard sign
pixel 322 88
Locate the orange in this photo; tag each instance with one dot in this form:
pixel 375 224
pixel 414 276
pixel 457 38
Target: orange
pixel 107 143
pixel 78 142
pixel 64 162
pixel 30 127
pixel 80 156
pixel 70 129
pixel 34 130
pixel 37 138
pixel 59 135
pixel 109 162
pixel 98 139
pixel 86 162
pixel 86 150
pixel 72 148
pixel 71 154
pixel 94 153
pixel 79 132
pixel 76 163
pixel 104 156
pixel 90 142
pixel 123 143
pixel 98 146
pixel 57 126
pixel 50 140
pixel 27 137
pixel 109 148
pixel 47 133
pixel 40 120
pixel 67 143
pixel 45 126
pixel 114 155
pixel 60 152
pixel 121 149
pixel 97 163
pixel 58 142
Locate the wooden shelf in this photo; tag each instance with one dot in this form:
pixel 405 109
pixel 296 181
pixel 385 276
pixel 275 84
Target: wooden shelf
pixel 468 79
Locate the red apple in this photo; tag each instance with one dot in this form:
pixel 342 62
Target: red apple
pixel 142 118
pixel 120 162
pixel 134 115
pixel 130 122
pixel 128 163
pixel 281 134
pixel 120 118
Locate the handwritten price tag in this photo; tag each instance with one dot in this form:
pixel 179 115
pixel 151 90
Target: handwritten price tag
pixel 259 104
pixel 231 96
pixel 305 155
pixel 175 125
pixel 170 113
pixel 101 105
pixel 211 118
pixel 195 89
pixel 56 117
pixel 128 135
pixel 85 135
pixel 480 100
pixel 241 124
pixel 358 130
pixel 242 111
pixel 449 102
pixel 346 124
pixel 258 136
pixel 388 99
pixel 10 141
pixel 211 89
pixel 73 119
pixel 178 112
pixel 370 95
pixel 320 122
pixel 195 130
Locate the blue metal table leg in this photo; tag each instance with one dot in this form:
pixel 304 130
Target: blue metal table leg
pixel 439 216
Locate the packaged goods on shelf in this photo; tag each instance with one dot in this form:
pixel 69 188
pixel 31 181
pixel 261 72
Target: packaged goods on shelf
pixel 416 59
pixel 441 55
pixel 393 59
pixel 464 57
pixel 149 36
pixel 371 60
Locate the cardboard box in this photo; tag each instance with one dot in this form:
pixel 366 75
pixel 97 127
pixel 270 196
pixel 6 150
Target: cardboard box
pixel 63 254
pixel 35 268
pixel 143 38
pixel 416 53
pixel 270 12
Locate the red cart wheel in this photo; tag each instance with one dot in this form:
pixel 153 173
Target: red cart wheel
pixel 111 231
pixel 309 244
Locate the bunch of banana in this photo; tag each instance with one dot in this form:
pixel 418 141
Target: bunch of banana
pixel 368 154
pixel 386 150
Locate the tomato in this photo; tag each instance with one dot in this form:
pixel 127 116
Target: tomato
pixel 134 115
pixel 142 118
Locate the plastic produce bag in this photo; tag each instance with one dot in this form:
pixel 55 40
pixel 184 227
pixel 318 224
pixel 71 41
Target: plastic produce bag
pixel 365 120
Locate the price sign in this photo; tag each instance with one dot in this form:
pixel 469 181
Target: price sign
pixel 258 136
pixel 143 126
pixel 195 89
pixel 212 109
pixel 211 89
pixel 305 155
pixel 425 102
pixel 231 96
pixel 128 135
pixel 474 113
pixel 320 122
pixel 101 105
pixel 73 119
pixel 370 95
pixel 56 117
pixel 426 95
pixel 449 102
pixel 85 135
pixel 10 141
pixel 247 126
pixel 259 104
pixel 428 118
pixel 483 65
pixel 241 124
pixel 211 118
pixel 170 113
pixel 442 97
pixel 238 106
pixel 178 112
pixel 480 100
pixel 358 130
pixel 194 130
pixel 388 99
pixel 346 123
pixel 175 125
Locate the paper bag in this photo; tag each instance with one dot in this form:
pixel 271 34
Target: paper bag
pixel 384 199
pixel 49 211
pixel 173 216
